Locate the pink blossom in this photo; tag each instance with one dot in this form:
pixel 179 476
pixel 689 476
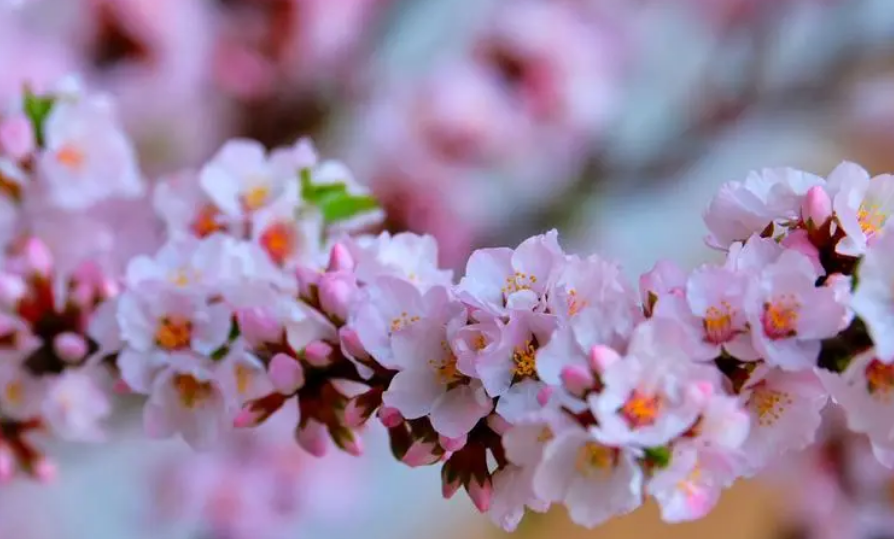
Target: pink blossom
pixel 689 488
pixel 405 255
pixel 874 294
pixel 862 205
pixel 785 413
pixel 789 315
pixel 75 405
pixel 86 158
pixel 595 482
pixel 650 396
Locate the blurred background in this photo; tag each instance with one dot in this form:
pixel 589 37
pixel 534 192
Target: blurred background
pixel 481 122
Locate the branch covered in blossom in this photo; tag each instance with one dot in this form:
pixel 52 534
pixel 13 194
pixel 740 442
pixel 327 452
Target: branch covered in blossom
pixel 539 377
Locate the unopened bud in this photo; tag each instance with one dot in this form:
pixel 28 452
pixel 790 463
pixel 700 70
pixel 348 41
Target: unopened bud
pixel 38 257
pixel 602 357
pixel 258 325
pixel 44 470
pixel 16 136
pixel 318 354
pixel 452 444
pixel 351 343
pixel 340 258
pixel 312 438
pixel 336 293
pixel 544 394
pixel 420 454
pixel 286 373
pixel 578 380
pixel 816 206
pixel 390 417
pixel 70 347
pixel 481 494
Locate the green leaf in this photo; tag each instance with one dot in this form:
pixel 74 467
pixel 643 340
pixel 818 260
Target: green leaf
pixel 37 108
pixel 333 199
pixel 658 457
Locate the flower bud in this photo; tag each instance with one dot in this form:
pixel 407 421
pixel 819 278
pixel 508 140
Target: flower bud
pixel 420 454
pixel 44 470
pixel 452 444
pixel 318 354
pixel 816 206
pixel 578 380
pixel 70 347
pixel 336 293
pixel 353 445
pixel 38 258
pixel 258 325
pixel 16 137
pixel 355 414
pixel 340 259
pixel 351 343
pixel 286 373
pixel 12 289
pixel 312 438
pixel 449 488
pixel 390 417
pixel 7 464
pixel 481 493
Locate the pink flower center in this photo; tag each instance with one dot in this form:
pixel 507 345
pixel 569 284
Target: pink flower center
pixel 206 222
pixel 402 321
pixel 641 409
pixel 255 197
pixel 445 367
pixel 525 359
pixel 780 318
pixel 191 391
pixel 70 156
pixel 173 333
pixel 719 323
pixel 871 217
pixel 594 458
pixel 279 241
pixel 879 379
pixel 517 282
pixel 575 304
pixel 769 404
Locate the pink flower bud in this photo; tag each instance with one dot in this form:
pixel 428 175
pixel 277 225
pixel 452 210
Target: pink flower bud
pixel 286 373
pixel 17 136
pixel 336 292
pixel 354 446
pixel 7 465
pixel 577 380
pixel 420 454
pixel 449 488
pixel 318 354
pixel 481 494
pixel 498 424
pixel 390 417
pixel 70 347
pixel 258 325
pixel 816 206
pixel 544 395
pixel 355 415
pixel 602 357
pixel 452 444
pixel 312 438
pixel 245 418
pixel 340 259
pixel 12 289
pixel 38 257
pixel 120 387
pixel 307 278
pixel 351 343
pixel 44 470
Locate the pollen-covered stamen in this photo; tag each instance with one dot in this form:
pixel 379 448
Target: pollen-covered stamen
pixel 780 317
pixel 479 343
pixel 279 240
pixel 206 221
pixel 243 377
pixel 871 217
pixel 14 392
pixel 517 282
pixel 173 333
pixel 445 366
pixel 256 197
pixel 718 323
pixel 402 321
pixel 594 458
pixel 575 304
pixel 880 380
pixel 525 359
pixel 70 156
pixel 545 435
pixel 769 404
pixel 192 392
pixel 641 409
pixel 689 485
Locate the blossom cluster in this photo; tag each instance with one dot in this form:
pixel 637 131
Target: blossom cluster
pixel 538 377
